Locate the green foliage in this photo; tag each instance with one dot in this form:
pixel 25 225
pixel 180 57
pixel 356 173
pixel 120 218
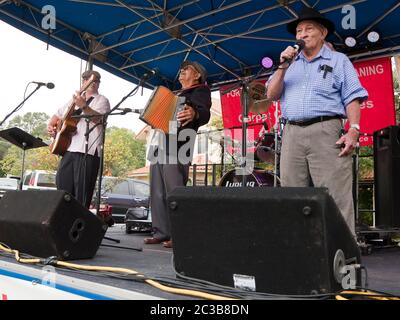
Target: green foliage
pixel 396 86
pixel 35 159
pixel 34 123
pixel 216 122
pixel 122 152
pixel 366 163
pixel 365 199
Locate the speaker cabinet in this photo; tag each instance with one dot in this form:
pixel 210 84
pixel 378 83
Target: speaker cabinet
pixel 275 240
pixel 46 223
pixel 387 176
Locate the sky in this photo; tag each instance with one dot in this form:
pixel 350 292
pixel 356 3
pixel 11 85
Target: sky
pixel 25 58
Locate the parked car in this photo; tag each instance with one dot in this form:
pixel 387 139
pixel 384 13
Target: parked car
pixel 122 194
pixel 39 179
pixel 7 184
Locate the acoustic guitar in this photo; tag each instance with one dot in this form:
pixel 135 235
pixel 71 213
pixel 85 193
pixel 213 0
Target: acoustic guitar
pixel 66 127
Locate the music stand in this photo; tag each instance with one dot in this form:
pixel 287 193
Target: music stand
pixel 23 140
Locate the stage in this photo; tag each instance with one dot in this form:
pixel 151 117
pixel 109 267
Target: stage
pixel 153 262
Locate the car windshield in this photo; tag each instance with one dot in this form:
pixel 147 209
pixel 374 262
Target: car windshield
pixel 46 180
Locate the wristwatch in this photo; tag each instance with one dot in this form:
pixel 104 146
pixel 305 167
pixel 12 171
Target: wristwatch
pixel 355 126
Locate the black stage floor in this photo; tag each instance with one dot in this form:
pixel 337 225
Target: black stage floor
pixel 383 265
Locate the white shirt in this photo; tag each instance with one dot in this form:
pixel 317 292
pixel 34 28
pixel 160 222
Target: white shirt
pixel 101 105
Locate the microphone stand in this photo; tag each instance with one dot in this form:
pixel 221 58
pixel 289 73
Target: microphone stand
pixel 20 105
pixel 244 84
pixel 103 122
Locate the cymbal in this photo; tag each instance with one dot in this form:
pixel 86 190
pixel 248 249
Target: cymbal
pixel 256 94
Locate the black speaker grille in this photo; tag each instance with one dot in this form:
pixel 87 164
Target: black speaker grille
pixel 47 223
pixel 387 176
pixel 285 237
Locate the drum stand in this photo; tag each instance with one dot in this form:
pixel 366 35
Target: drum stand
pixel 245 111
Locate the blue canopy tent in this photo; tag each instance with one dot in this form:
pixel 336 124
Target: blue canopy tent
pixel 229 37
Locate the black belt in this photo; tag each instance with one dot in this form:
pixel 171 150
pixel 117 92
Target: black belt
pixel 308 122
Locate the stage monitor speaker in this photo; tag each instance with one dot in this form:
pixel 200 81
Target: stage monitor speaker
pixel 46 223
pixel 273 240
pixel 387 176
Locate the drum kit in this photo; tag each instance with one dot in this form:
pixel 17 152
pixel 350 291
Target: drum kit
pixel 266 147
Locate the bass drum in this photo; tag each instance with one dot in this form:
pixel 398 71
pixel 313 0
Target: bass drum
pixel 258 178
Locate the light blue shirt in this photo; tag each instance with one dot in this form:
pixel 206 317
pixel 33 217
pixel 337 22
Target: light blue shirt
pixel 307 94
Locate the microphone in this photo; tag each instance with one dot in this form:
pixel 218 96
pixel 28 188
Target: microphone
pixel 127 110
pixel 298 46
pixel 149 74
pixel 49 85
pixel 268 63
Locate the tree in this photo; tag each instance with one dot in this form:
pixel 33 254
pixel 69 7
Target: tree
pixel 216 122
pixel 35 159
pixel 11 156
pixel 123 152
pixel 34 123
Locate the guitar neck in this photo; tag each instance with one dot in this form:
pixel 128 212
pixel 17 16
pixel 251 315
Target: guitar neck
pixel 71 107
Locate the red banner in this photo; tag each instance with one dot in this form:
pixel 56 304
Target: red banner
pixel 379 110
pixel 376 113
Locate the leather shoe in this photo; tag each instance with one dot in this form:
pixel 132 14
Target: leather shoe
pixel 152 241
pixel 167 244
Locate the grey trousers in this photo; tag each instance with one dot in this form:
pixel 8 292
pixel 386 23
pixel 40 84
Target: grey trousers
pixel 164 178
pixel 310 152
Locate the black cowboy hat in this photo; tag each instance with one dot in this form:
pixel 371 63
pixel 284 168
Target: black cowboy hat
pixel 311 14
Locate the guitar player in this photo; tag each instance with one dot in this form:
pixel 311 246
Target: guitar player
pixel 75 171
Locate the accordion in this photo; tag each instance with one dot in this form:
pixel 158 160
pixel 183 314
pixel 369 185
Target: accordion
pixel 162 108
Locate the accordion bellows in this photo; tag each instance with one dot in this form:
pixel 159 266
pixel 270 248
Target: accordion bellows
pixel 162 108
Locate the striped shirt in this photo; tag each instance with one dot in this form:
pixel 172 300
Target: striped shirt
pixel 323 86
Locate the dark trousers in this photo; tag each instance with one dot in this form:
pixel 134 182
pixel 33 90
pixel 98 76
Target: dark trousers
pixel 77 175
